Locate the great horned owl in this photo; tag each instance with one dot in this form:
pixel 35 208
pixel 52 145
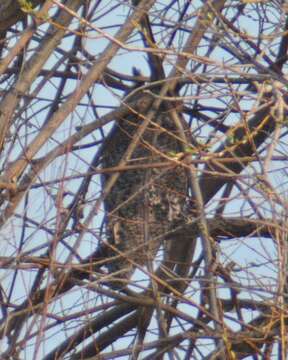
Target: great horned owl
pixel 144 202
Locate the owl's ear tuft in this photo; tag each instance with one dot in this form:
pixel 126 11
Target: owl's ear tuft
pixel 135 71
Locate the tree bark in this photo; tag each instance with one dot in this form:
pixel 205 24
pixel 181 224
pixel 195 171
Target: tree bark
pixel 10 13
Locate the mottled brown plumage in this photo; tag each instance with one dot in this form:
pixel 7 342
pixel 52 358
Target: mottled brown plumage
pixel 144 203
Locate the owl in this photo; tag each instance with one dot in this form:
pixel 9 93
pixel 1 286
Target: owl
pixel 145 201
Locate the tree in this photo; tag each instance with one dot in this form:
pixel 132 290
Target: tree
pixel 143 179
